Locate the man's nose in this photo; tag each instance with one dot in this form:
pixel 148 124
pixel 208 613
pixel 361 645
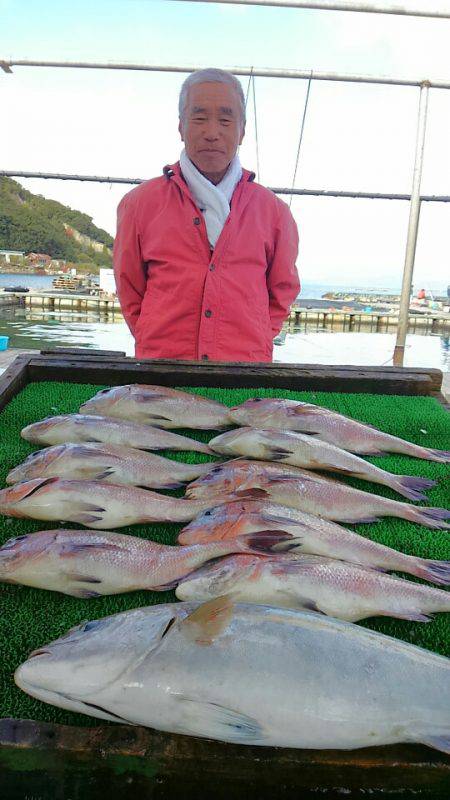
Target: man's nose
pixel 211 132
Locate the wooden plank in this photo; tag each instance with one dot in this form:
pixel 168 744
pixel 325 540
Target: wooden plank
pixel 406 768
pixel 180 373
pixel 82 352
pixel 14 378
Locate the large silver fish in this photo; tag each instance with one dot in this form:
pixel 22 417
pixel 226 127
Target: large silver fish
pixel 94 504
pixel 108 463
pixel 158 405
pixel 241 479
pixel 86 428
pixel 310 534
pixel 329 426
pixel 93 563
pixel 304 451
pixel 335 588
pixel 248 674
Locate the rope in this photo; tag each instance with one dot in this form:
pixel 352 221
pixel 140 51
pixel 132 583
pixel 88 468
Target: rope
pixel 256 129
pixel 302 127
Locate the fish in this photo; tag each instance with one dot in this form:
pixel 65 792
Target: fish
pixel 304 451
pixel 328 426
pixel 310 535
pixel 247 674
pixel 89 428
pixel 243 480
pixel 108 463
pixel 158 405
pixel 325 585
pixel 90 563
pixel 94 504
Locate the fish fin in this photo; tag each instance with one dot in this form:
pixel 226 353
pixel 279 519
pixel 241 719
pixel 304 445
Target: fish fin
pixel 410 486
pixel 164 587
pixel 178 485
pixel 254 492
pixel 102 475
pixel 440 455
pixel 309 605
pixel 266 541
pixel 85 594
pixel 433 571
pixel 213 721
pixel 74 548
pixel 79 578
pixel 415 616
pixel 209 620
pixel 83 518
pixel 363 519
pixel 275 453
pixel 439 741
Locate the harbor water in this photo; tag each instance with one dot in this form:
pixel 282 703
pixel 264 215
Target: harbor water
pixel 39 328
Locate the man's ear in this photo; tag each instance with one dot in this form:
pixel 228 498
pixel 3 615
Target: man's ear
pixel 242 134
pixel 180 129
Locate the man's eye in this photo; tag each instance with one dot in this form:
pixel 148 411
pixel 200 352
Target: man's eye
pixel 225 121
pixel 199 119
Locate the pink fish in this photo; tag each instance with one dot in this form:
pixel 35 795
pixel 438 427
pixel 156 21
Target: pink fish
pixel 108 463
pixel 93 563
pixel 305 451
pixel 158 405
pixel 86 428
pixel 331 587
pixel 310 534
pixel 94 504
pixel 328 426
pixel 240 479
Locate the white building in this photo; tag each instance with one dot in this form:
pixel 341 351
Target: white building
pixel 5 255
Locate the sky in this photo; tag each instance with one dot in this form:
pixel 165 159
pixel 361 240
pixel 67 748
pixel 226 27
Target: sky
pixel 357 137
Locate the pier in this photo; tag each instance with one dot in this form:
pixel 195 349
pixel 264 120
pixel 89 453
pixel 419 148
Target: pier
pixel 371 322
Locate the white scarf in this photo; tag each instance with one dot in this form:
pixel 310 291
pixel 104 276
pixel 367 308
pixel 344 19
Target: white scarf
pixel 213 201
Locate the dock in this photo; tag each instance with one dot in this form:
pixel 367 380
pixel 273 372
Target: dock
pixel 369 321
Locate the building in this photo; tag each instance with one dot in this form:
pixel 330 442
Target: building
pixel 38 259
pixel 6 255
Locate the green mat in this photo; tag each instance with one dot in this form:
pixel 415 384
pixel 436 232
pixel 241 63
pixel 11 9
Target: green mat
pixel 30 618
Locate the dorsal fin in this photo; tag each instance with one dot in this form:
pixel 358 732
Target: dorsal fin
pixel 209 620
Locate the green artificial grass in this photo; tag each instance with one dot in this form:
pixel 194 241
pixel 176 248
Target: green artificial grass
pixel 30 618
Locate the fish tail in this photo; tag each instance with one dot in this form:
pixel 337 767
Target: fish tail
pixel 430 517
pixel 265 542
pixel 411 486
pixel 433 571
pixel 439 455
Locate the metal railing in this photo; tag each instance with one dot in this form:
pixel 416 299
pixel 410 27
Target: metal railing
pixel 415 197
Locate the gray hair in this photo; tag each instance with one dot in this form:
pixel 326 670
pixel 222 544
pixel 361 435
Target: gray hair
pixel 210 75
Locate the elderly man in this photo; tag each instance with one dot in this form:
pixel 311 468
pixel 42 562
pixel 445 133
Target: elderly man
pixel 204 257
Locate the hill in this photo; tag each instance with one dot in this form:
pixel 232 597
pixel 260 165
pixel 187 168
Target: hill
pixel 30 223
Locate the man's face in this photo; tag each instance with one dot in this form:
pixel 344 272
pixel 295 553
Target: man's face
pixel 212 127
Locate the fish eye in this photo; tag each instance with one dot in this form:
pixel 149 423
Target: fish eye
pixel 257 399
pixel 103 391
pixel 207 513
pixel 92 625
pixel 33 455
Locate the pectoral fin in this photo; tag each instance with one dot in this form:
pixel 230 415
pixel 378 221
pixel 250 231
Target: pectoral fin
pixel 274 453
pixel 208 621
pixel 213 721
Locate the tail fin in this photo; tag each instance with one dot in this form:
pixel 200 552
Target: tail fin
pixel 410 486
pixel 433 571
pixel 266 542
pixel 430 517
pixel 438 455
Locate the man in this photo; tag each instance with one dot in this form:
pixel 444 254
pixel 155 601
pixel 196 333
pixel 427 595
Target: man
pixel 204 258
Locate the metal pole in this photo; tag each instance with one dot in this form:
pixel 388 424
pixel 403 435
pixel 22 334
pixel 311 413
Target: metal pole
pixel 430 198
pixel 413 226
pixel 323 5
pixel 263 72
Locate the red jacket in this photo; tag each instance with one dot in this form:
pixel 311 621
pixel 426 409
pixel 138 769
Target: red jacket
pixel 180 299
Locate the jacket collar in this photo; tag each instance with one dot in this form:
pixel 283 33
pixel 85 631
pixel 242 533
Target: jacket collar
pixel 174 171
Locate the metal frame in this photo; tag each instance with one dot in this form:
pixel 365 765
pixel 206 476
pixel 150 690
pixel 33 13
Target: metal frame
pixel 415 197
pixel 323 5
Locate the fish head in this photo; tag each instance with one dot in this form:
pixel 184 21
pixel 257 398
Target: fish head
pixel 232 442
pixel 214 524
pixel 104 400
pixel 23 549
pixel 219 577
pixel 36 464
pixel 92 656
pixel 221 479
pixel 13 499
pixel 37 431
